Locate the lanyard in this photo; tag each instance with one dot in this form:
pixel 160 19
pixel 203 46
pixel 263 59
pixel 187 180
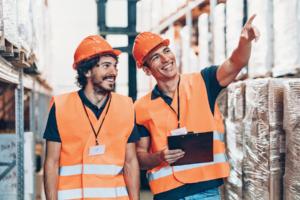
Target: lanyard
pixel 178 107
pixel 96 134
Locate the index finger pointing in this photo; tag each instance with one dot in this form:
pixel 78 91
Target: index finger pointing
pixel 251 19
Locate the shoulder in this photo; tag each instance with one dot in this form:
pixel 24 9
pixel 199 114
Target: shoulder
pixel 142 102
pixel 209 71
pixel 122 98
pixel 65 96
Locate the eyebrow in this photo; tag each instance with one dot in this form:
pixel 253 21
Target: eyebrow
pixel 104 63
pixel 158 53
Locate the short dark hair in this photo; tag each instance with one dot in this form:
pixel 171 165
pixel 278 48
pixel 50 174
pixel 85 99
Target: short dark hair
pixel 85 65
pixel 146 64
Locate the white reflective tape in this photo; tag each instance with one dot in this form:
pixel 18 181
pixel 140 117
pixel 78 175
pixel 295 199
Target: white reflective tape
pixel 70 170
pixel 218 158
pixel 165 171
pixel 103 169
pixel 219 136
pixel 105 192
pixel 69 194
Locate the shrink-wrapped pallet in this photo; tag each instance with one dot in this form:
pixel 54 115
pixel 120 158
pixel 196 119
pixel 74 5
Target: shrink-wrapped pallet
pixel 234 136
pixel 146 15
pixel 25 24
pixel 156 12
pixel 219 34
pixel 185 44
pixel 234 24
pixel 291 125
pixel 204 39
pixel 261 60
pixel 264 137
pixel 286 34
pixel 222 103
pixel 10 20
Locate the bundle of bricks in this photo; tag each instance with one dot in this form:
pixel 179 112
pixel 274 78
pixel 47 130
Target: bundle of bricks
pixel 291 125
pixel 264 140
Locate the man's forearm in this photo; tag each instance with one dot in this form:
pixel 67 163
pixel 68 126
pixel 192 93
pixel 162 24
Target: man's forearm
pixel 241 54
pixel 51 180
pixel 132 179
pixel 149 161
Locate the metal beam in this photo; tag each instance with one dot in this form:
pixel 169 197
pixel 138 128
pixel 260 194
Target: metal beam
pixel 32 129
pixel 19 93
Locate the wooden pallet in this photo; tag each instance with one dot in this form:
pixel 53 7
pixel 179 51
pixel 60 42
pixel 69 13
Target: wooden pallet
pixel 12 54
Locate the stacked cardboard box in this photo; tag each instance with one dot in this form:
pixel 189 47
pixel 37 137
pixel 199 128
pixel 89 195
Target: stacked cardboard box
pixel 292 127
pixel 263 163
pixel 234 139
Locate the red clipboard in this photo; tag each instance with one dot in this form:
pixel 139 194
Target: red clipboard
pixel 198 147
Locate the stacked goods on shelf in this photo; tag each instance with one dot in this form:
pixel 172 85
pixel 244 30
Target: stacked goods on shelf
pixel 264 138
pixel 286 37
pixel 291 179
pixel 234 139
pixel 219 34
pixel 145 15
pixel 203 29
pixel 8 149
pixel 169 7
pixel 234 24
pixel 156 13
pixel 10 20
pixel 25 25
pixel 185 42
pixel 261 60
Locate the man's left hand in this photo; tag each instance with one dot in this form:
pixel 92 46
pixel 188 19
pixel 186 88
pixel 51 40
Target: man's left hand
pixel 249 31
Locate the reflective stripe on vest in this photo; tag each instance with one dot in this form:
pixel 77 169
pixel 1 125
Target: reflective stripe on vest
pixel 90 169
pixel 93 193
pixel 219 136
pixel 166 171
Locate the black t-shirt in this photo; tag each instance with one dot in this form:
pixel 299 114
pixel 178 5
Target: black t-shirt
pixel 51 131
pixel 213 88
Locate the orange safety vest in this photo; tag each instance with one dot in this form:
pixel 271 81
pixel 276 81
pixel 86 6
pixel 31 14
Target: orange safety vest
pixel 196 116
pixel 92 177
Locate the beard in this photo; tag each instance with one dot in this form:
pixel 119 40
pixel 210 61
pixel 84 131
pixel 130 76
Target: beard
pixel 98 85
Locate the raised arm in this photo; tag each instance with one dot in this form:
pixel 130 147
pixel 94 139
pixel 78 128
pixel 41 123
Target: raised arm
pixel 132 172
pixel 149 161
pixel 227 72
pixel 51 169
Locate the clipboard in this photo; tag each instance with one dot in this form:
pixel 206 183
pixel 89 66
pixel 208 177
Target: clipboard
pixel 198 147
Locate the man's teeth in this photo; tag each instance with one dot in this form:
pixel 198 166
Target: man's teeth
pixel 110 79
pixel 167 66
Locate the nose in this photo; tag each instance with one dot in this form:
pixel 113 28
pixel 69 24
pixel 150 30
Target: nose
pixel 164 59
pixel 113 71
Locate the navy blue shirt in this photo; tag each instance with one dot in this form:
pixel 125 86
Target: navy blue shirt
pixel 52 134
pixel 213 88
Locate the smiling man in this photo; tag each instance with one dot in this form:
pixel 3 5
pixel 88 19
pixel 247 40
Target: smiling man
pixel 181 104
pixel 91 134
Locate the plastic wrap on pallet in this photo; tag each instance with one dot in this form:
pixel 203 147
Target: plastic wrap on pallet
pixel 261 60
pixel 219 34
pixel 263 163
pixel 222 103
pixel 204 38
pixel 185 42
pixel 234 24
pixel 169 7
pixel 146 15
pixel 24 24
pixel 10 20
pixel 234 136
pixel 156 13
pixel 286 49
pixel 291 126
pixel 181 3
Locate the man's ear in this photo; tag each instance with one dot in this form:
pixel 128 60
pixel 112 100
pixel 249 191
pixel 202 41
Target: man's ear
pixel 147 70
pixel 88 74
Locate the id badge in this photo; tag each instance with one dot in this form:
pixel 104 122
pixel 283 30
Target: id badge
pixel 97 150
pixel 180 131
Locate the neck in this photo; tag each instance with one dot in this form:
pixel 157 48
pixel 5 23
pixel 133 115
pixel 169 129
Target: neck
pixel 168 87
pixel 96 98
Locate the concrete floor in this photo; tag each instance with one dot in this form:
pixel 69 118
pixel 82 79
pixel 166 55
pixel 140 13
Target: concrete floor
pixel 146 195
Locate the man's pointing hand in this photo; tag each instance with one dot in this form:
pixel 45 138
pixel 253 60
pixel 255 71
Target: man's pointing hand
pixel 249 31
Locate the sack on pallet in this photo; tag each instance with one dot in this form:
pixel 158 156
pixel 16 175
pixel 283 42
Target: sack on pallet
pixel 261 60
pixel 286 37
pixel 263 162
pixel 291 126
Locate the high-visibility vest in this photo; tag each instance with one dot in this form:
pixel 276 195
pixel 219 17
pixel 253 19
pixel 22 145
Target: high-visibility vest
pixel 196 116
pixel 92 177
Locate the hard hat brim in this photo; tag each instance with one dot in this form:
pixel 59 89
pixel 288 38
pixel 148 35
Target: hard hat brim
pixel 141 61
pixel 113 51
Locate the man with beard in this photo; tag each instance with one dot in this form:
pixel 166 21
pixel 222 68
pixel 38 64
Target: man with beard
pixel 181 104
pixel 91 133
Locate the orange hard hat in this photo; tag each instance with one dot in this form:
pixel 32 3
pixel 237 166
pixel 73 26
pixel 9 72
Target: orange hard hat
pixel 143 44
pixel 91 46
